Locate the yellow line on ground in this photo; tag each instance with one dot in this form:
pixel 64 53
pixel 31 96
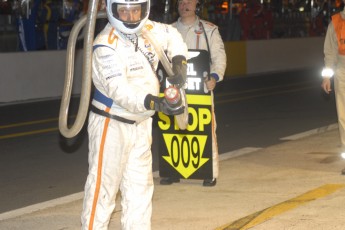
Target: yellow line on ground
pixel 260 95
pixel 287 86
pixel 266 214
pixel 28 133
pixel 28 123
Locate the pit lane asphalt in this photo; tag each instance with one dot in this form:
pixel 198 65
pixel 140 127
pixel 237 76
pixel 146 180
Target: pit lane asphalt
pixel 293 185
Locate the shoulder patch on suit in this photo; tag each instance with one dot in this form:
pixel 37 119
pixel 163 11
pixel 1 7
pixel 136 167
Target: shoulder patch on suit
pixel 208 23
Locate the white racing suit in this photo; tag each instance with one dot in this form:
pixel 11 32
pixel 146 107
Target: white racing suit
pixel 194 37
pixel 120 147
pixel 336 61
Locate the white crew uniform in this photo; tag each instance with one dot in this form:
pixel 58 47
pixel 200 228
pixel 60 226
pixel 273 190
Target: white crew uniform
pixel 120 152
pixel 194 36
pixel 335 61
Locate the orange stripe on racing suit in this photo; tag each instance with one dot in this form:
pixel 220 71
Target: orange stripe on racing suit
pixel 99 171
pixel 339 27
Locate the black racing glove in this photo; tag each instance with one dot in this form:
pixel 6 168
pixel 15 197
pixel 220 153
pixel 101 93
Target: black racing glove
pixel 160 104
pixel 179 67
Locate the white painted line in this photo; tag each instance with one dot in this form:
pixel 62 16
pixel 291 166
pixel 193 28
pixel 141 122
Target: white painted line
pixel 40 206
pixel 310 132
pixel 236 153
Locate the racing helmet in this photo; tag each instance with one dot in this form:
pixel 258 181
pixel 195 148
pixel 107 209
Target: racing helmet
pixel 128 16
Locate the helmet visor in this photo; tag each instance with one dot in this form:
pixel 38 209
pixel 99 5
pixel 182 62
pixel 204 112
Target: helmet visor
pixel 130 14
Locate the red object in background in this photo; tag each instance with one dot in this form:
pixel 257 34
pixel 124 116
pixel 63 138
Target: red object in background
pixel 5 7
pixel 256 21
pixel 316 26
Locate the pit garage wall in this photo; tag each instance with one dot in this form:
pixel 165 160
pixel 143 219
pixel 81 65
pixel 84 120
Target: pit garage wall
pixel 40 75
pixel 262 56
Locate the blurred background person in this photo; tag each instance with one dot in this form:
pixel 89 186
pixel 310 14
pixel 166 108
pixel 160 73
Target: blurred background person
pixel 202 35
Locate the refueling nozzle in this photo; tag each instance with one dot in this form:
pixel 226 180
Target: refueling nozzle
pixel 173 96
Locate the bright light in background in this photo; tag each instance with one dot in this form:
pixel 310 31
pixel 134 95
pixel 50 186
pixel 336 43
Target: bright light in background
pixel 327 72
pixel 342 155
